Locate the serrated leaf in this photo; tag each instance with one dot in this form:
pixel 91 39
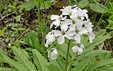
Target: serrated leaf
pixel 83 3
pixel 97 41
pixel 91 54
pixel 11 62
pixel 60 61
pixel 23 59
pixel 104 56
pixel 54 63
pixel 40 61
pixel 98 8
pixel 25 52
pixel 53 68
pixel 81 65
pixel 7 69
pixel 105 68
pixel 101 33
pixel 102 63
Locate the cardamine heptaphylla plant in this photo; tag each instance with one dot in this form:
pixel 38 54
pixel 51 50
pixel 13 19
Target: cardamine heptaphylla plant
pixel 74 24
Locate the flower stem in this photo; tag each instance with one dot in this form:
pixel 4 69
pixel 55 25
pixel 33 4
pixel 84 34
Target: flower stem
pixel 67 55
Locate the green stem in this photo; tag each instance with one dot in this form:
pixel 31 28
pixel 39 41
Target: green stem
pixel 39 17
pixel 99 21
pixel 67 55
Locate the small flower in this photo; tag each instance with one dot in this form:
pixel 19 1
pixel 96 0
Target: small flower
pixel 53 53
pixel 67 10
pixel 80 51
pixel 78 48
pixel 91 36
pixel 57 19
pixel 50 39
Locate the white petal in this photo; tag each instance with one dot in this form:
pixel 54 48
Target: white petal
pixel 91 36
pixel 54 17
pixel 80 51
pixel 75 49
pixel 56 23
pixel 54 53
pixel 77 38
pixel 57 33
pixel 70 32
pixel 64 27
pixel 83 31
pixel 61 40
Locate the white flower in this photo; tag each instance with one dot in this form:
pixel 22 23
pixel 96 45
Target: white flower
pixel 91 36
pixel 53 53
pixel 73 24
pixel 61 38
pixel 76 33
pixel 80 51
pixel 67 10
pixel 78 48
pixel 88 25
pixel 57 19
pixel 75 49
pixel 79 14
pixel 50 39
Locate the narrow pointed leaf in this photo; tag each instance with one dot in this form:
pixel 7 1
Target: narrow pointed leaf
pixel 91 54
pixel 1 32
pixel 81 65
pixel 104 62
pixel 7 69
pixel 40 61
pixel 53 68
pixel 23 59
pixel 97 41
pixel 11 62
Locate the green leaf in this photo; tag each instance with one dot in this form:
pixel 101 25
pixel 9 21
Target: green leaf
pixel 91 54
pixel 47 5
pixel 17 18
pixel 97 41
pixel 81 65
pixel 23 59
pixel 28 5
pixel 104 62
pixel 7 69
pixel 3 30
pixel 105 68
pixel 52 0
pixel 101 33
pixel 40 61
pixel 60 61
pixel 53 68
pixel 98 8
pixel 83 3
pixel 25 52
pixel 110 22
pixel 35 42
pixel 21 28
pixel 104 56
pixel 62 49
pixel 11 62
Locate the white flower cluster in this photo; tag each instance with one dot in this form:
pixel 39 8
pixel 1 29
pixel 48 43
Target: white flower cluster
pixel 73 23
